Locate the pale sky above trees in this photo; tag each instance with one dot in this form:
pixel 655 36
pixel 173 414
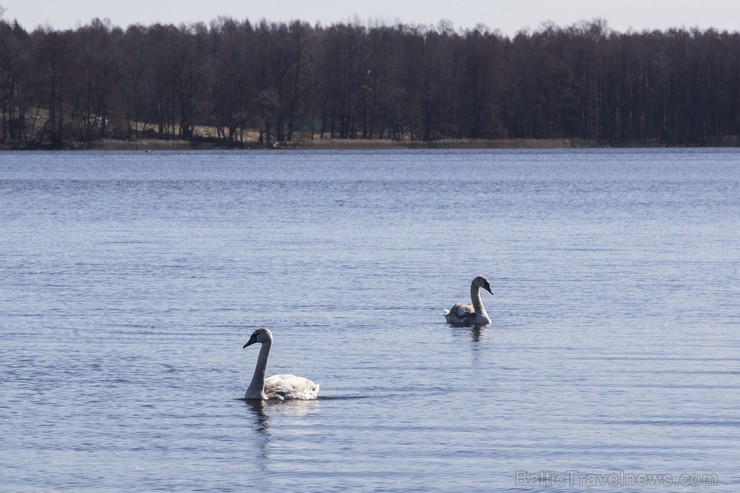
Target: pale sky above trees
pixel 507 16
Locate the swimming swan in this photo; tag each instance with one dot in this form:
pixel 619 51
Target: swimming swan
pixel 475 314
pixel 277 387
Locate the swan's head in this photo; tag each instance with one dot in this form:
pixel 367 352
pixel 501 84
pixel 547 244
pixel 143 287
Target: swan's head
pixel 260 335
pixel 482 282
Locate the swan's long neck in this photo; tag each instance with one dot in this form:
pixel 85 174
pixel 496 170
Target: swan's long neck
pixel 480 310
pixel 256 388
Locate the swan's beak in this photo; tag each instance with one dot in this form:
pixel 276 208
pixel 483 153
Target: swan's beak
pixel 251 341
pixel 488 288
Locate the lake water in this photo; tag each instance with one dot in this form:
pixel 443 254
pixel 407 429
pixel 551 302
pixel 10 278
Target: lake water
pixel 130 282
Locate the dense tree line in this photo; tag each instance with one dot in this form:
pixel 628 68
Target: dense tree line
pixel 277 82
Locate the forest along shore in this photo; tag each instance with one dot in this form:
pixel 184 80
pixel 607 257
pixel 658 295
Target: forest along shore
pixel 237 84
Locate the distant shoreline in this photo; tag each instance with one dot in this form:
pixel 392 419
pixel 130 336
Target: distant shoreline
pixel 351 144
pixel 364 144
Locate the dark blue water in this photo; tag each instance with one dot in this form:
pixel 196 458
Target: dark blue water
pixel 130 282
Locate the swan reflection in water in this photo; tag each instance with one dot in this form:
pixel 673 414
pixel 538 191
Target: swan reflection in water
pixel 265 415
pixel 264 411
pixel 476 332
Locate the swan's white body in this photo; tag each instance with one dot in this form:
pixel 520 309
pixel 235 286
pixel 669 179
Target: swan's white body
pixel 277 387
pixel 470 315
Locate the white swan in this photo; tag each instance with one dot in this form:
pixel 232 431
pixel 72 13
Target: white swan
pixel 475 314
pixel 277 387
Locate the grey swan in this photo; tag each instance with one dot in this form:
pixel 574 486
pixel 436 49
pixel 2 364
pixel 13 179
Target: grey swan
pixel 465 315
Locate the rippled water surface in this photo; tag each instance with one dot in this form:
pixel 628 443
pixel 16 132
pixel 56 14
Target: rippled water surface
pixel 130 282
